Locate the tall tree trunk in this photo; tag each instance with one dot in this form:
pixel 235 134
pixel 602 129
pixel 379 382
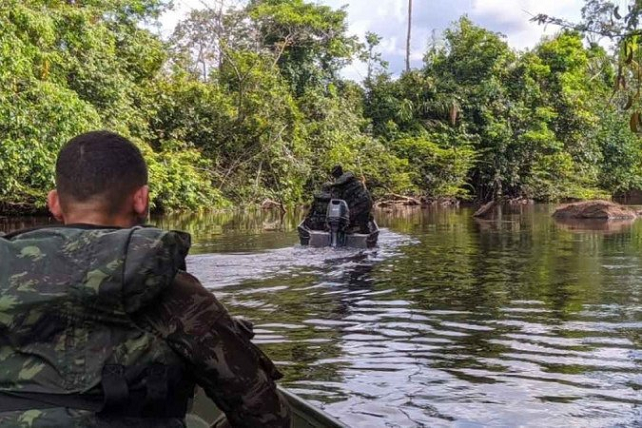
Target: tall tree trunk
pixel 409 34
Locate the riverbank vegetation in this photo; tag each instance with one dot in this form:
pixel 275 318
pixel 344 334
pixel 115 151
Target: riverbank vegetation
pixel 245 104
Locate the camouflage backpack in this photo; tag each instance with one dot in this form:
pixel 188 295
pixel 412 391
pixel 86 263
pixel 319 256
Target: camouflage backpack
pixel 66 333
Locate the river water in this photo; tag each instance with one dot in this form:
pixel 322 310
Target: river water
pixel 451 321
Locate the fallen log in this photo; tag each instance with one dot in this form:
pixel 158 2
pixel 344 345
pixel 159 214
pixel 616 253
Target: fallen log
pixel 486 210
pixel 269 204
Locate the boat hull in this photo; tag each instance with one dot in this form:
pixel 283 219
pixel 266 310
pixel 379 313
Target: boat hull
pixel 319 238
pixel 205 414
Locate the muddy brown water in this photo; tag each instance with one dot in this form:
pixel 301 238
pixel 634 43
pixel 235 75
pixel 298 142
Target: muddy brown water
pixel 451 321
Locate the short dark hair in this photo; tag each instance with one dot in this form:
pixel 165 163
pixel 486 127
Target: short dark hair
pixel 337 171
pixel 99 164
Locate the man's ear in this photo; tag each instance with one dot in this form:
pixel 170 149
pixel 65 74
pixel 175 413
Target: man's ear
pixel 53 202
pixel 141 202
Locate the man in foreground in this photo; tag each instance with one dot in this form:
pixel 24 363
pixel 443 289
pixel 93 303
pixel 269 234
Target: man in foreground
pixel 99 323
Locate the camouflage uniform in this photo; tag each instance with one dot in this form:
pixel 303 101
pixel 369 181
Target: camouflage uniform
pixel 316 217
pixel 350 189
pixel 86 312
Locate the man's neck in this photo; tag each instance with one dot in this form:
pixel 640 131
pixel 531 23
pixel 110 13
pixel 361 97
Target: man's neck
pixel 99 218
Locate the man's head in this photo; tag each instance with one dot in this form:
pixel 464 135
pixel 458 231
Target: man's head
pixel 337 171
pixel 101 178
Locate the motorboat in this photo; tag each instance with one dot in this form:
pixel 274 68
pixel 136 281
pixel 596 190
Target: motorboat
pixel 335 233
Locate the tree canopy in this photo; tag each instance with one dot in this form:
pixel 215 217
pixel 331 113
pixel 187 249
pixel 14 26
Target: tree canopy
pixel 249 103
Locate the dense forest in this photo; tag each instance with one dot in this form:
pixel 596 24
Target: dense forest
pixel 249 103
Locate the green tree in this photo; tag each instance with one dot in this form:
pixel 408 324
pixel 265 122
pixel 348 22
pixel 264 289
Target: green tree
pixel 309 42
pixel 68 68
pixel 604 19
pixel 472 67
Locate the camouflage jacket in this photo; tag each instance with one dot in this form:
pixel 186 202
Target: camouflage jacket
pixel 350 189
pixel 74 300
pixel 359 200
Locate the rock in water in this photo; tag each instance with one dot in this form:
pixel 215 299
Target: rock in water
pixel 603 210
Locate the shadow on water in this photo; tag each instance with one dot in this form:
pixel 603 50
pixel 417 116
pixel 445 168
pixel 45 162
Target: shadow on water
pixel 452 321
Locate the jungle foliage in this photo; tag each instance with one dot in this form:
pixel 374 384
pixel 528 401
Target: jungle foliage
pixel 249 103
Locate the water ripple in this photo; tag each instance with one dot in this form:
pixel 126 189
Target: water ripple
pixel 452 322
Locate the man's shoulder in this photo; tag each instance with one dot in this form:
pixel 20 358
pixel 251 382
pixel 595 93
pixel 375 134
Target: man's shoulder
pixel 188 296
pixel 185 309
pixel 323 196
pixel 187 282
pixel 344 179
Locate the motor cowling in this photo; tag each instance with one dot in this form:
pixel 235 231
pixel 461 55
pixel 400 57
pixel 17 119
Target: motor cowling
pixel 338 219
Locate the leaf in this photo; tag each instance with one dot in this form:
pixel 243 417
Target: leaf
pixel 616 12
pixel 629 103
pixel 617 79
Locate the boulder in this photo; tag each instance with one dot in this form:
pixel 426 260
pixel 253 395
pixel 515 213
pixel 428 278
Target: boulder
pixel 596 210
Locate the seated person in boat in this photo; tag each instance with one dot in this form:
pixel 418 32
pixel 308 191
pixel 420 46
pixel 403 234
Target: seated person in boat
pixel 101 325
pixel 315 219
pixel 347 187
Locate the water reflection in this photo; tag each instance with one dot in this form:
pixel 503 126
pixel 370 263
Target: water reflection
pixel 235 232
pixel 594 225
pixel 9 224
pixel 452 321
pixel 514 321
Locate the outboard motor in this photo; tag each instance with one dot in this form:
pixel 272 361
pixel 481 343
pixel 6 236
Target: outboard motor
pixel 338 219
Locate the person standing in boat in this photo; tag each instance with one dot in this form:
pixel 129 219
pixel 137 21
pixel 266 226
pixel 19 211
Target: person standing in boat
pixel 315 219
pixel 100 325
pixel 347 187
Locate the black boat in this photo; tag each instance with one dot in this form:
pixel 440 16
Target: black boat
pixel 334 234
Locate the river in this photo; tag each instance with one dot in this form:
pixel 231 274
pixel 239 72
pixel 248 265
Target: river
pixel 451 321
